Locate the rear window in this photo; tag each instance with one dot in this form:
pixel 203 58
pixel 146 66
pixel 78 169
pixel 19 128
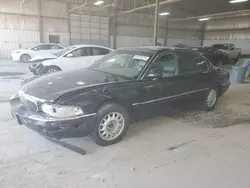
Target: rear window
pixel 221 46
pixel 190 62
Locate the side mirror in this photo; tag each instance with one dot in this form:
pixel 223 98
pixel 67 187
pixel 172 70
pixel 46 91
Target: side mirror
pixel 69 55
pixel 154 74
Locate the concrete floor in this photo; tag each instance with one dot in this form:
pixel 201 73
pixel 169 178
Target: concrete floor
pixel 186 150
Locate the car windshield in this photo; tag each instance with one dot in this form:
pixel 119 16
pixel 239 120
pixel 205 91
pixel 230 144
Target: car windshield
pixel 123 63
pixel 61 52
pixel 221 46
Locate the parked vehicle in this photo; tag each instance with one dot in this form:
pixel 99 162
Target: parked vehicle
pixel 216 57
pixel 233 53
pixel 24 55
pixel 71 58
pixel 104 98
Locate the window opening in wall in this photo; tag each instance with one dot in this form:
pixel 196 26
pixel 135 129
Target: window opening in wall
pixel 54 39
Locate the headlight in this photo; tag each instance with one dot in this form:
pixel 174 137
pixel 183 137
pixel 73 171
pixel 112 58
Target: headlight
pixel 61 111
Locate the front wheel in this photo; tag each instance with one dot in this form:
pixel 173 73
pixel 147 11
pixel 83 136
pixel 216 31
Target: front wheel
pixel 112 121
pixel 210 99
pixel 25 58
pixel 51 69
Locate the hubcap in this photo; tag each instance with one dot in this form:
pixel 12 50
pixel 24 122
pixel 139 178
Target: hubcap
pixel 111 126
pixel 211 99
pixel 51 70
pixel 26 58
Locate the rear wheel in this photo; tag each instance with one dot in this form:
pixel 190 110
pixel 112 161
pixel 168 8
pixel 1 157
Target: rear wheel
pixel 25 58
pixel 210 99
pixel 111 124
pixel 237 58
pixel 51 69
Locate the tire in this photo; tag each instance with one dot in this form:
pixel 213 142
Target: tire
pixel 210 100
pixel 237 58
pixel 51 69
pixel 25 58
pixel 111 119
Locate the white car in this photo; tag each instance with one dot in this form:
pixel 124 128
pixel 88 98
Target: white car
pixel 24 55
pixel 71 58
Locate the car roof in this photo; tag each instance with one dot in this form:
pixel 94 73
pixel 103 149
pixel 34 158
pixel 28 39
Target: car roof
pixel 155 49
pixel 88 45
pixel 49 43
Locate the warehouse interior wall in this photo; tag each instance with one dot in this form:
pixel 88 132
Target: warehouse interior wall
pixel 137 29
pixel 19 26
pixel 229 30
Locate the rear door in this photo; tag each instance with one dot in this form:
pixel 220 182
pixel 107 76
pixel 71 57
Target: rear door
pixel 195 75
pixel 99 52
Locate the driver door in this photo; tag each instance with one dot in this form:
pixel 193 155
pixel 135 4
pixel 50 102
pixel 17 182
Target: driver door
pixel 156 92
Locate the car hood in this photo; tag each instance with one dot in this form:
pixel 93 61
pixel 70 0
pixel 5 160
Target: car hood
pixel 51 87
pixel 43 57
pixel 49 62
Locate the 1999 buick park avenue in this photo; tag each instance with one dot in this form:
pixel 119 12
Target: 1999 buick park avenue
pixel 103 99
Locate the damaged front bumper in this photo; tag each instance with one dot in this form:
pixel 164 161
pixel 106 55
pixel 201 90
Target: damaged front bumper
pixel 51 126
pixel 36 68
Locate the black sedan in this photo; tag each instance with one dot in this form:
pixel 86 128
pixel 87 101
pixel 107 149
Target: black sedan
pixel 217 57
pixel 106 97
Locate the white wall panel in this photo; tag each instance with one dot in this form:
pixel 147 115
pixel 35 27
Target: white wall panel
pixel 54 9
pixel 55 25
pixel 89 29
pixel 13 39
pixel 14 6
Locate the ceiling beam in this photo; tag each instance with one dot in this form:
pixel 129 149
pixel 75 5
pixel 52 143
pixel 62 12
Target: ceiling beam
pixel 147 6
pixel 77 7
pixel 217 15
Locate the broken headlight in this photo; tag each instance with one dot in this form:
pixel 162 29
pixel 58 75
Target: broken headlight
pixel 61 111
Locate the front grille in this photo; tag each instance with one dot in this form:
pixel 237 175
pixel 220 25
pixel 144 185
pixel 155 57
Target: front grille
pixel 28 102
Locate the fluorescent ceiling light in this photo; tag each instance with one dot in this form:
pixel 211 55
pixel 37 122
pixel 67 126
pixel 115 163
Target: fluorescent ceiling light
pixel 237 1
pixel 99 2
pixel 164 13
pixel 204 19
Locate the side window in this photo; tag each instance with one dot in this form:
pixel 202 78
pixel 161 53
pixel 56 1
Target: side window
pixel 191 62
pixel 56 47
pixel 46 47
pixel 80 52
pixel 167 64
pixel 201 63
pixel 37 48
pixel 100 51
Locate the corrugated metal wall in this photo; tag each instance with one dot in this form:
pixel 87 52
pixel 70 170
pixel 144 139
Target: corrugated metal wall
pixel 22 31
pixel 89 29
pixel 229 30
pixel 137 29
pixel 17 32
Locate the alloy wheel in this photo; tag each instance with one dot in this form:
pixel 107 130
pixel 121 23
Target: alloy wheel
pixel 111 126
pixel 211 98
